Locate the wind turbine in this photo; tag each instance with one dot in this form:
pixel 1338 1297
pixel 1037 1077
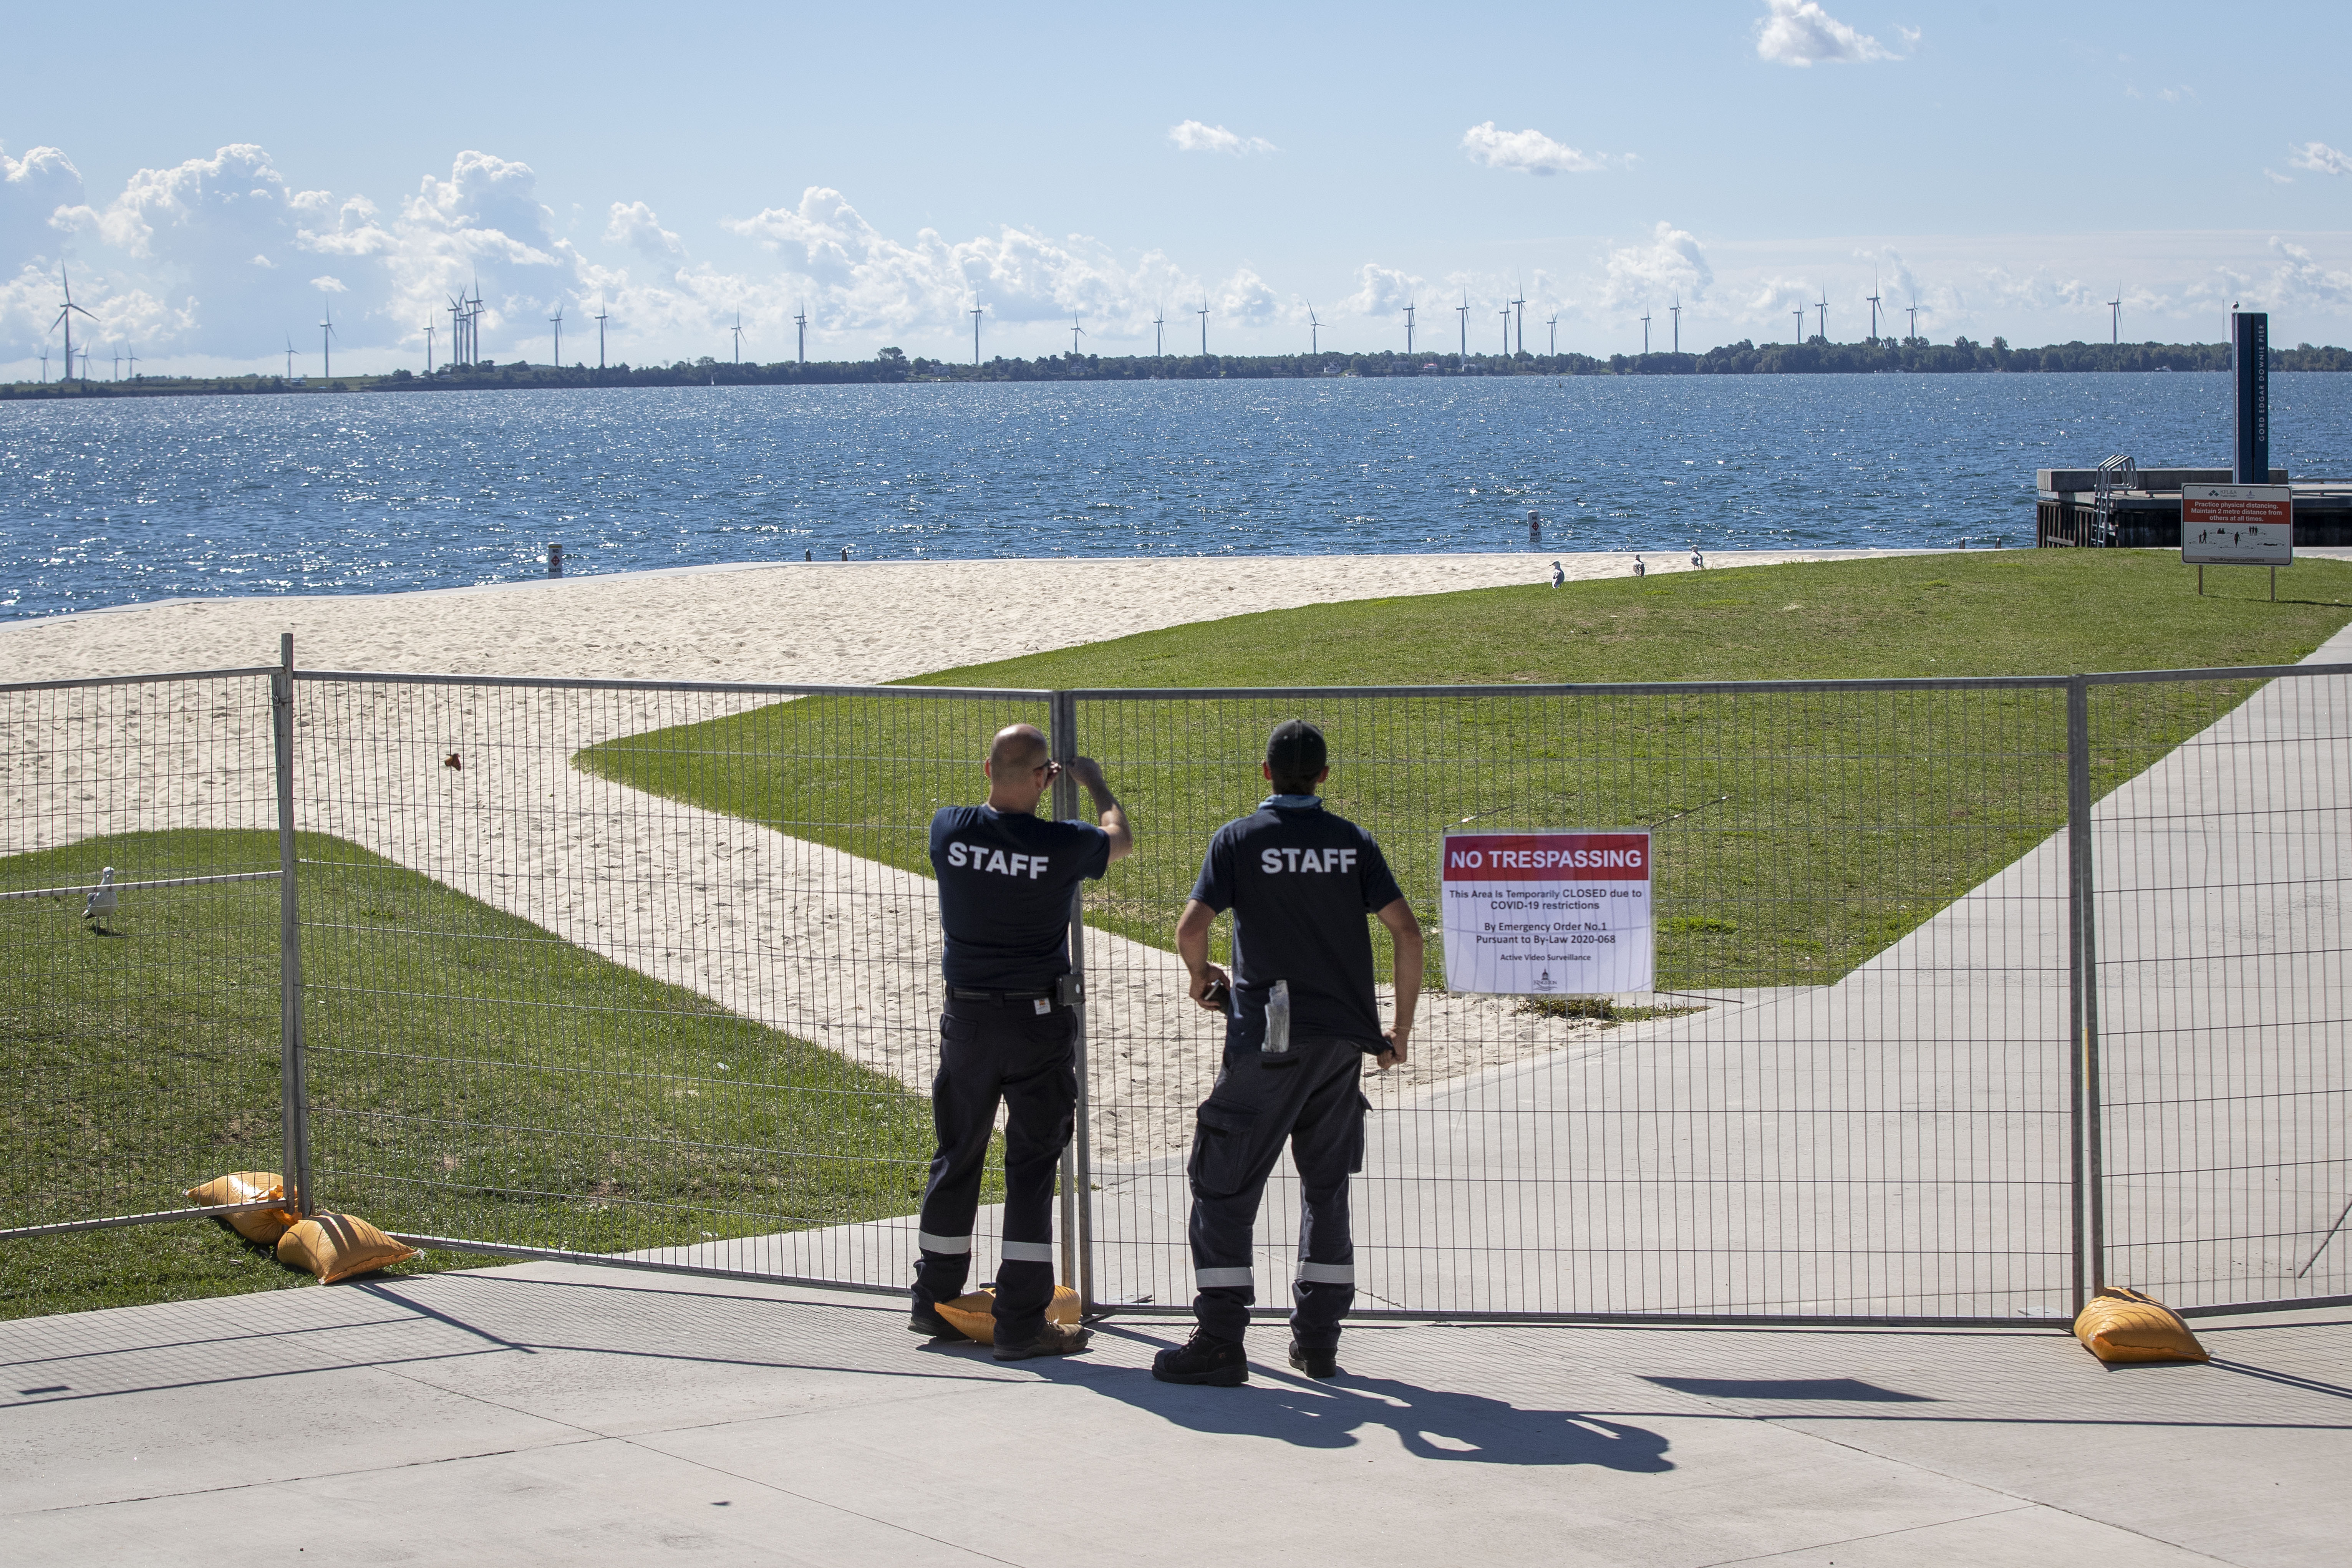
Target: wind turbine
pixel 45 364
pixel 428 345
pixel 601 317
pixel 1915 315
pixel 130 356
pixel 738 329
pixel 1204 326
pixel 557 320
pixel 1463 311
pixel 1800 323
pixel 327 340
pixel 65 319
pixel 1314 331
pixel 1506 313
pixel 1874 307
pixel 1520 305
pixel 1824 308
pixel 2116 317
pixel 290 356
pixel 974 314
pixel 1077 331
pixel 118 361
pixel 1554 324
pixel 457 334
pixel 1646 331
pixel 1675 311
pixel 1159 335
pixel 1409 308
pixel 801 320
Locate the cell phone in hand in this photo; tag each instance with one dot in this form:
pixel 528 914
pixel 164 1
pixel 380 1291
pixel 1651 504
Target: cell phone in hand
pixel 1217 994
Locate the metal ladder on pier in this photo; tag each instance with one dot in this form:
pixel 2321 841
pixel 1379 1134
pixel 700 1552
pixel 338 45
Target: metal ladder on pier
pixel 2117 474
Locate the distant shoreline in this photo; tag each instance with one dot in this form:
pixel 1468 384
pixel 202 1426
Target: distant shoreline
pixel 1818 357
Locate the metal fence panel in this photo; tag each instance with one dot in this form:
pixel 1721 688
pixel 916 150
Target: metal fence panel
pixel 2223 847
pixel 630 970
pixel 141 1043
pixel 649 974
pixel 1849 1096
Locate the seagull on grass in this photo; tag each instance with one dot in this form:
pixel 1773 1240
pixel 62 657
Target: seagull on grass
pixel 1558 576
pixel 1640 570
pixel 101 901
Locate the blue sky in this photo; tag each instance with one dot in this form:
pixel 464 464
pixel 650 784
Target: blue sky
pixel 214 175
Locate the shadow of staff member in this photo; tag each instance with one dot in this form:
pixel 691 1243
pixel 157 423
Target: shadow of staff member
pixel 1300 1016
pixel 1006 879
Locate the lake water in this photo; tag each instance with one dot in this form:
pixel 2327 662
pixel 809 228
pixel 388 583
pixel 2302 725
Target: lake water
pixel 117 502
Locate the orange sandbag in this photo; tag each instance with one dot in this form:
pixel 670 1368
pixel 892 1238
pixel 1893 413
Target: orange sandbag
pixel 264 1226
pixel 974 1316
pixel 2125 1326
pixel 337 1245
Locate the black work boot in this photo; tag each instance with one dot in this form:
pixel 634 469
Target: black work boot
pixel 1054 1339
pixel 1204 1359
pixel 925 1320
pixel 1316 1364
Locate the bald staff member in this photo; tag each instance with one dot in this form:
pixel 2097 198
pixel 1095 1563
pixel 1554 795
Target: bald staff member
pixel 1006 878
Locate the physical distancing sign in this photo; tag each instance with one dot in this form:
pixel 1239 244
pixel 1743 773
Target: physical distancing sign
pixel 1564 913
pixel 2237 525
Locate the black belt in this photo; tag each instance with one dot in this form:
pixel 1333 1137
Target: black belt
pixel 962 994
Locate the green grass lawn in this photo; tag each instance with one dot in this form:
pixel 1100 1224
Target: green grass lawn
pixel 470 1075
pixel 1800 833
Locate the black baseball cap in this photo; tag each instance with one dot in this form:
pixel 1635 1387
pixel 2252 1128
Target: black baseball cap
pixel 1295 750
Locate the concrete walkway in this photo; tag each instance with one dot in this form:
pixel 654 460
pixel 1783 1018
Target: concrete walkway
pixel 546 1413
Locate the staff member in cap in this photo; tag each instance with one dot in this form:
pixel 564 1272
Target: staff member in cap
pixel 1006 877
pixel 1300 1017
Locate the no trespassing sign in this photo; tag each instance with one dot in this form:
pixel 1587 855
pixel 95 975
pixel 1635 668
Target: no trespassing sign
pixel 1559 913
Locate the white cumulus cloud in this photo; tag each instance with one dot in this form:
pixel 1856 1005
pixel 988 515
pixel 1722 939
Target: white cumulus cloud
pixel 32 190
pixel 635 225
pixel 1192 136
pixel 1800 32
pixel 1672 262
pixel 2320 158
pixel 1382 291
pixel 1529 152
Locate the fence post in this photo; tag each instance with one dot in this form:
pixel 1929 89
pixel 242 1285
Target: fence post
pixel 2082 986
pixel 1078 1161
pixel 294 1106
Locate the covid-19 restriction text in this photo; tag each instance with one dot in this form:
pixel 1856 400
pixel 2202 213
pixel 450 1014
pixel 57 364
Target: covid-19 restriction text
pixel 1555 913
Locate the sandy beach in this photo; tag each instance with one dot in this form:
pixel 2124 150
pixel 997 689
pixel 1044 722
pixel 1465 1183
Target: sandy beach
pixel 807 938
pixel 826 622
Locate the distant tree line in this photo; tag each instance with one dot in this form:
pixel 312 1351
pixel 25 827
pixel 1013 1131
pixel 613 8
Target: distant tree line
pixel 1817 356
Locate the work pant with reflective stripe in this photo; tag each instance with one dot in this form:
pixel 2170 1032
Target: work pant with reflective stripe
pixel 1307 1097
pixel 991 1052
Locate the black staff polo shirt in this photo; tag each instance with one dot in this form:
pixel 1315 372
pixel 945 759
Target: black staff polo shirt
pixel 1299 882
pixel 1005 882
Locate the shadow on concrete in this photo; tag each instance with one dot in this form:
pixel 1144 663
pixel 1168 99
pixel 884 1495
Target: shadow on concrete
pixel 1429 1423
pixel 1826 1388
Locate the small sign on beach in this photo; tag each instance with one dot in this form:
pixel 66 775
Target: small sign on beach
pixel 1555 913
pixel 2237 525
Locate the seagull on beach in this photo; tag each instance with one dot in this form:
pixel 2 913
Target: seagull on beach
pixel 1698 558
pixel 1640 570
pixel 101 901
pixel 845 552
pixel 1558 576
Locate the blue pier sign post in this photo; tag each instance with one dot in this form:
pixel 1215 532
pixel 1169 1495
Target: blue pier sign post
pixel 2250 346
